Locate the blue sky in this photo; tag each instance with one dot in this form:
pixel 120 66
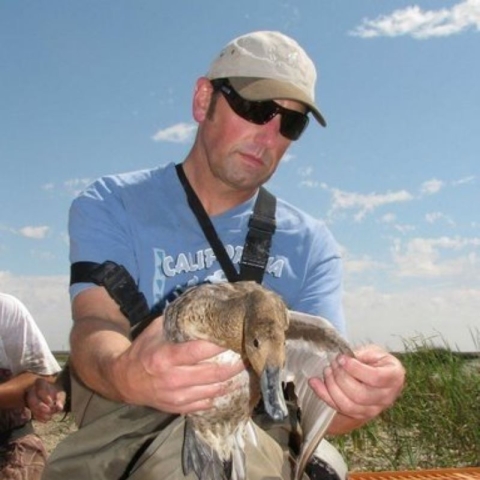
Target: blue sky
pixel 96 87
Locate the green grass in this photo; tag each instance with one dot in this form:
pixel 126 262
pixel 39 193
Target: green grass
pixel 436 421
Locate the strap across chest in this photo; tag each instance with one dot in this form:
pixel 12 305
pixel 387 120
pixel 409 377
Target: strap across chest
pixel 259 237
pixel 123 289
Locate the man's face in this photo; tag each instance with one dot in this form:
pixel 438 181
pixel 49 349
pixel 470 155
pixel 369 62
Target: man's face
pixel 240 153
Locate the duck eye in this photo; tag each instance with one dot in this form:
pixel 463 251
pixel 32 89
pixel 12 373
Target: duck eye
pixel 256 343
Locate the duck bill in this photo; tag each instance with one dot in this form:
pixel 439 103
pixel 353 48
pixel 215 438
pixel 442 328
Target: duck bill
pixel 272 393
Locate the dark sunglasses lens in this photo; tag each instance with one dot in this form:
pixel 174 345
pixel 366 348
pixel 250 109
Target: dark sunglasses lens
pixel 293 124
pixel 255 112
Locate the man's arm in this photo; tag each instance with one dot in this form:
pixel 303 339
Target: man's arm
pixel 148 371
pixel 12 392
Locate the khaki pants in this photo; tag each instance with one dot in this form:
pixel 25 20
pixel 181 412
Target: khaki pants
pixel 117 441
pixel 111 448
pixel 267 462
pixel 23 459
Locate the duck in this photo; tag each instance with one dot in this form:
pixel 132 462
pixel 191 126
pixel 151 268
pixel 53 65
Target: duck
pixel 277 345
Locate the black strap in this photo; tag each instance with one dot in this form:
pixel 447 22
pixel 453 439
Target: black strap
pixel 259 238
pixel 123 289
pixel 207 227
pixel 261 226
pixel 118 283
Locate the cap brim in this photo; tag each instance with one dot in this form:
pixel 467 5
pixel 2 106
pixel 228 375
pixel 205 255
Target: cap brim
pixel 260 89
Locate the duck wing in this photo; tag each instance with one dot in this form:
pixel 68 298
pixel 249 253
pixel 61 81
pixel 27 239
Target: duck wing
pixel 311 344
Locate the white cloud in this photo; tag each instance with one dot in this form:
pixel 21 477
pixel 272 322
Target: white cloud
pixel 361 204
pixel 391 219
pixel 422 24
pixel 288 157
pixel 309 183
pixel 388 218
pixel 37 233
pixel 443 257
pixel 444 316
pixel 364 263
pixel 71 187
pixel 365 203
pixel 434 217
pixel 48 187
pixel 305 171
pixel 75 185
pixel 463 181
pixel 431 187
pixel 179 133
pixel 404 228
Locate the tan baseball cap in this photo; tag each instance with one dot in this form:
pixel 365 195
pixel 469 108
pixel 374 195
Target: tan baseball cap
pixel 267 65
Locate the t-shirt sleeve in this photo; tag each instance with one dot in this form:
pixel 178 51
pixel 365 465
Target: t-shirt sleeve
pixel 25 346
pixel 99 230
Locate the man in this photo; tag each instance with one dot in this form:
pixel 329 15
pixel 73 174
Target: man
pixel 253 102
pixel 24 357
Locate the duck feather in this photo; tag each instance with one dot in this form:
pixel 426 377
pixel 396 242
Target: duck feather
pixel 312 343
pixel 278 345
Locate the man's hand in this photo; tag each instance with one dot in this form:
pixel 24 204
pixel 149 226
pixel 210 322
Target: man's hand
pixel 360 388
pixel 45 399
pixel 175 378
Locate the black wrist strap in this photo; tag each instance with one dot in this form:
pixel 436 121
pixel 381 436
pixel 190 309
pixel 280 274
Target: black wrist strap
pixel 259 238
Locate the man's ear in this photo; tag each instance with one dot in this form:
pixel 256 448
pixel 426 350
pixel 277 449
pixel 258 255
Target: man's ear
pixel 201 98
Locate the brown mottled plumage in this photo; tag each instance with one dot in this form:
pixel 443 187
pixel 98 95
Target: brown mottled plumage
pixel 277 345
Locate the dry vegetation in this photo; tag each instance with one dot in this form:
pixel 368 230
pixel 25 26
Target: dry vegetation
pixel 52 432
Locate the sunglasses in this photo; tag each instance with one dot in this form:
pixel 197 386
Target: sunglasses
pixel 292 123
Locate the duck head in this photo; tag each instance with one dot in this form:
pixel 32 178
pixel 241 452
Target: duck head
pixel 265 324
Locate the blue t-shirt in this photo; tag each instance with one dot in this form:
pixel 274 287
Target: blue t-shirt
pixel 142 221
